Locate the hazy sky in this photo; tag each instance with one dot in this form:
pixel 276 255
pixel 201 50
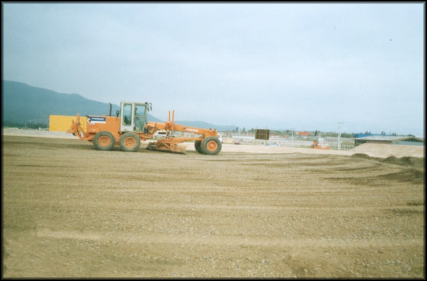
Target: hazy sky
pixel 253 65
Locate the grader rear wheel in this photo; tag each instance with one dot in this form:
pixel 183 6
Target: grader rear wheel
pixel 129 142
pixel 104 141
pixel 197 146
pixel 211 146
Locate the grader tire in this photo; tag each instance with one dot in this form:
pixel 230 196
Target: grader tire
pixel 104 141
pixel 197 146
pixel 129 142
pixel 211 145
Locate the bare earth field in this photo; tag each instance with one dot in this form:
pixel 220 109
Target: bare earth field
pixel 72 211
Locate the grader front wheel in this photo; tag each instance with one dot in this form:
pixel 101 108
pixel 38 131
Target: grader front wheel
pixel 104 141
pixel 129 142
pixel 211 146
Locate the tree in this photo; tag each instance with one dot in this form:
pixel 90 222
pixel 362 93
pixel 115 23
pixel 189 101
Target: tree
pixel 347 135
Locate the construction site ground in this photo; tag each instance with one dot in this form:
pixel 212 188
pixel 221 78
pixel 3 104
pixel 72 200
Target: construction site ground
pixel 250 211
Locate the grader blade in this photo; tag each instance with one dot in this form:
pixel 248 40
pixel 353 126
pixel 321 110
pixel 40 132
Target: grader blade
pixel 167 147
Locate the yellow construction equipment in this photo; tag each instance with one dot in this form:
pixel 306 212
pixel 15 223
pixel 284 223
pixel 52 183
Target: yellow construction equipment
pixel 130 126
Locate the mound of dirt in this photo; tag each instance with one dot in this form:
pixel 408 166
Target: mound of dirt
pixel 361 155
pixel 409 175
pixel 405 161
pixel 387 150
pixel 413 162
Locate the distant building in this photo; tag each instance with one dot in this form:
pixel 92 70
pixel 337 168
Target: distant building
pixel 303 135
pixel 397 140
pixel 367 135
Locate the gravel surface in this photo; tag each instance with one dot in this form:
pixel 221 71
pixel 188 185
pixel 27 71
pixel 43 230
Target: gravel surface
pixel 72 211
pixel 374 150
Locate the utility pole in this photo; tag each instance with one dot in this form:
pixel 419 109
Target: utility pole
pixel 339 135
pixel 292 134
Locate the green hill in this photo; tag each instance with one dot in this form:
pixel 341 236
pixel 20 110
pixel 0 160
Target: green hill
pixel 26 104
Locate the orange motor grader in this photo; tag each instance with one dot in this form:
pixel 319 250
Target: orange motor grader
pixel 130 126
pixel 320 143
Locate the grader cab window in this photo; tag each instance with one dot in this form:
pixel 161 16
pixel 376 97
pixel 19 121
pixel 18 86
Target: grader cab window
pixel 139 117
pixel 127 114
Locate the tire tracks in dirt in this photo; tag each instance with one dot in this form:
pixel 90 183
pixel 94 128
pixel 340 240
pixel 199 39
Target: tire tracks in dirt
pixel 120 237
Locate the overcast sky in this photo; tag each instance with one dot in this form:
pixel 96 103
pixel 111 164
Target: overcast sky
pixel 253 65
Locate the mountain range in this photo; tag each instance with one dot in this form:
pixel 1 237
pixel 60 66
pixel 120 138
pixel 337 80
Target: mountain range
pixel 24 104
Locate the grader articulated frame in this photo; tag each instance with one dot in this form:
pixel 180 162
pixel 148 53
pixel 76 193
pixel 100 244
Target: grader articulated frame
pixel 131 127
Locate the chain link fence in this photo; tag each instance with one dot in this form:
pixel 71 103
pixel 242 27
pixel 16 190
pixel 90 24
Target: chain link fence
pixel 296 142
pixel 346 143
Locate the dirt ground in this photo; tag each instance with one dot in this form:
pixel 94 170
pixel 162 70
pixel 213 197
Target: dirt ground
pixel 72 211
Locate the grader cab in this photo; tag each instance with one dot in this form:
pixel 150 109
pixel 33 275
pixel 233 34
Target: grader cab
pixel 130 126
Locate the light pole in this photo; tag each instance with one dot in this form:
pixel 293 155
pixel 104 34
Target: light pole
pixel 339 135
pixel 292 135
